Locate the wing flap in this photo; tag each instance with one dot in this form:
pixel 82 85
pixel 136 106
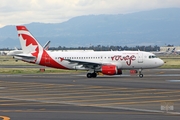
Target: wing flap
pixel 85 64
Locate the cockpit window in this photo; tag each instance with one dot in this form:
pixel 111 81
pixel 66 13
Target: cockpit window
pixel 152 56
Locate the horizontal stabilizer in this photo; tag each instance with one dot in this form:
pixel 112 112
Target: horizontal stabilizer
pixel 25 57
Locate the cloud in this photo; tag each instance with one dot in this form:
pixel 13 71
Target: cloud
pixel 51 11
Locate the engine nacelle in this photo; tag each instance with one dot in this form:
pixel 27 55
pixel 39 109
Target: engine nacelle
pixel 110 70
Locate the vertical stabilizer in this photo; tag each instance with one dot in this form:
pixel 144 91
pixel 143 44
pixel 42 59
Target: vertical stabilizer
pixel 28 43
pixel 33 52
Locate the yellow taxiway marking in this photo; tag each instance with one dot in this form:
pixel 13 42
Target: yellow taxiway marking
pixel 5 118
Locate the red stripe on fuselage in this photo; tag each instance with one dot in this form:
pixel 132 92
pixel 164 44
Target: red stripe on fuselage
pixel 46 60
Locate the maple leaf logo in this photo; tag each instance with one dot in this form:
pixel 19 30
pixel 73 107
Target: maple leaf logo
pixel 28 48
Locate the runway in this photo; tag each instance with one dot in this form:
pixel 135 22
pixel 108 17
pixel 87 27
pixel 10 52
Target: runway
pixel 75 97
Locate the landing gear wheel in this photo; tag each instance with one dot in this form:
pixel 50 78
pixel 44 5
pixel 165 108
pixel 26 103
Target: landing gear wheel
pixel 94 75
pixel 141 75
pixel 89 75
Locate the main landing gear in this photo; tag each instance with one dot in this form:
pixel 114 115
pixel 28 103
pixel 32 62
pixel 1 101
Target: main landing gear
pixel 140 73
pixel 91 75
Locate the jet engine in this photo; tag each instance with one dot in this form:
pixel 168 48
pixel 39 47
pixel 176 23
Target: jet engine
pixel 110 70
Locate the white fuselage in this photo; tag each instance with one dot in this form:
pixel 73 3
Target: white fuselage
pixel 107 62
pixel 122 59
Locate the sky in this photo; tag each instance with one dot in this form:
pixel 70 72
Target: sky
pixel 18 12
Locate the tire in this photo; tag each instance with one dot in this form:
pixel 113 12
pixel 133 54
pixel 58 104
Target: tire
pixel 89 75
pixel 94 75
pixel 141 75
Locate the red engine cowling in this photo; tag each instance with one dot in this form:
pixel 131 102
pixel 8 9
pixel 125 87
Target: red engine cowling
pixel 110 70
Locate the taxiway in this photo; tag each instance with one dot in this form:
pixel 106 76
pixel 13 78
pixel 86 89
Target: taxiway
pixel 75 97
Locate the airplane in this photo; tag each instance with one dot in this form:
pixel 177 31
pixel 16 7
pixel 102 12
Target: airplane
pixel 106 62
pixel 174 51
pixel 16 51
pixel 167 52
pixel 161 52
pixel 46 46
pixel 177 52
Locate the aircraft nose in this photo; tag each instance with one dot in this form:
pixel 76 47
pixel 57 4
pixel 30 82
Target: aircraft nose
pixel 161 62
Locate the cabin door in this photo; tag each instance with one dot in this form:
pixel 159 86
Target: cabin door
pixel 140 57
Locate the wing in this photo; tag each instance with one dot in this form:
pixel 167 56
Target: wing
pixel 90 65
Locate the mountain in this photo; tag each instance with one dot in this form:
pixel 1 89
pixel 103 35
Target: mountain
pixel 155 27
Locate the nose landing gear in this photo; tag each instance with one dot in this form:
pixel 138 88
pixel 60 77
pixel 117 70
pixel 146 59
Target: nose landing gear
pixel 140 73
